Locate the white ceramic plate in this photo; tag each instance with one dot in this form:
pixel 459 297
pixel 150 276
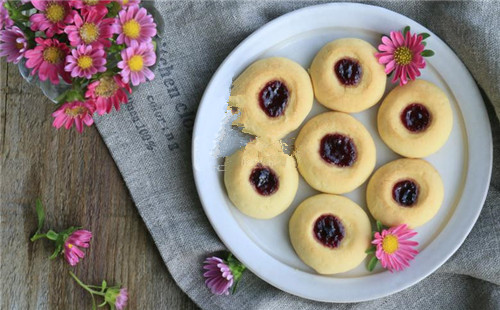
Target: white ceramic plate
pixel 263 246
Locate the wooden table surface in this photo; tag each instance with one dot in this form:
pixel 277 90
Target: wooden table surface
pixel 80 185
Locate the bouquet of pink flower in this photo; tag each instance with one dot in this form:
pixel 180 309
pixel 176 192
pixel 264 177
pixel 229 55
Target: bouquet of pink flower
pixel 98 47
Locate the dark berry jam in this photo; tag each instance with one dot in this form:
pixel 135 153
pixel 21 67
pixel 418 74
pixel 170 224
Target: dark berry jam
pixel 338 149
pixel 273 98
pixel 416 117
pixel 405 193
pixel 264 180
pixel 329 230
pixel 348 71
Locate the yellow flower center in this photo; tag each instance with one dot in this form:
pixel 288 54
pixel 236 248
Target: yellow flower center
pixel 74 112
pixel 52 55
pixel 390 244
pixel 136 63
pixel 124 2
pixel 132 29
pixel 70 245
pixel 55 12
pixel 89 32
pixel 403 55
pixel 19 46
pixel 107 87
pixel 85 62
pixel 91 2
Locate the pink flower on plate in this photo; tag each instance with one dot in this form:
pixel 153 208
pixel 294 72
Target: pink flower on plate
pixel 54 15
pixel 108 92
pixel 85 61
pixel 135 62
pixel 78 239
pixel 13 44
pixel 5 21
pixel 75 112
pixel 134 24
pixel 47 58
pixel 394 250
pixel 127 3
pixel 402 55
pixel 219 277
pixel 93 29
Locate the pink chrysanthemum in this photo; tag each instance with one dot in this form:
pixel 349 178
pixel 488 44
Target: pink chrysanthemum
pixel 47 58
pixel 402 55
pixel 13 44
pixel 54 15
pixel 93 29
pixel 127 3
pixel 134 24
pixel 75 112
pixel 219 277
pixel 394 250
pixel 121 299
pixel 5 20
pixel 85 61
pixel 72 252
pixel 135 62
pixel 108 92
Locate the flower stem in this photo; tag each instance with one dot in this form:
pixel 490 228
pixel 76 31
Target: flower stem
pixel 86 287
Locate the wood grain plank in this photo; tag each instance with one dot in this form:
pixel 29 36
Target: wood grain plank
pixel 80 185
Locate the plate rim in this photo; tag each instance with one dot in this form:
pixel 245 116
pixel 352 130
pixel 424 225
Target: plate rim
pixel 468 119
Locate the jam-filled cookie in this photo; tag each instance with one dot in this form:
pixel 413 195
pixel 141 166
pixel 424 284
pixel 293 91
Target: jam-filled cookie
pixel 260 179
pixel 335 153
pixel 405 191
pixel 273 96
pixel 416 119
pixel 347 77
pixel 330 233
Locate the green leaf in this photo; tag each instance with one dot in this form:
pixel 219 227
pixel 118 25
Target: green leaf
pixel 41 215
pixel 52 235
pixel 371 250
pixel 380 227
pixel 372 263
pixel 237 269
pixel 113 9
pixel 56 251
pixel 427 53
pixel 424 35
pixel 423 43
pixel 406 30
pixel 103 286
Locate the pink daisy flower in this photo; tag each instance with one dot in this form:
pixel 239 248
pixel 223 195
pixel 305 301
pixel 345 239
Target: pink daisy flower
pixel 134 24
pixel 127 3
pixel 219 277
pixel 85 61
pixel 47 58
pixel 135 62
pixel 394 250
pixel 108 92
pixel 93 30
pixel 116 297
pixel 222 275
pixel 402 55
pixel 5 21
pixel 54 15
pixel 72 252
pixel 75 112
pixel 13 44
